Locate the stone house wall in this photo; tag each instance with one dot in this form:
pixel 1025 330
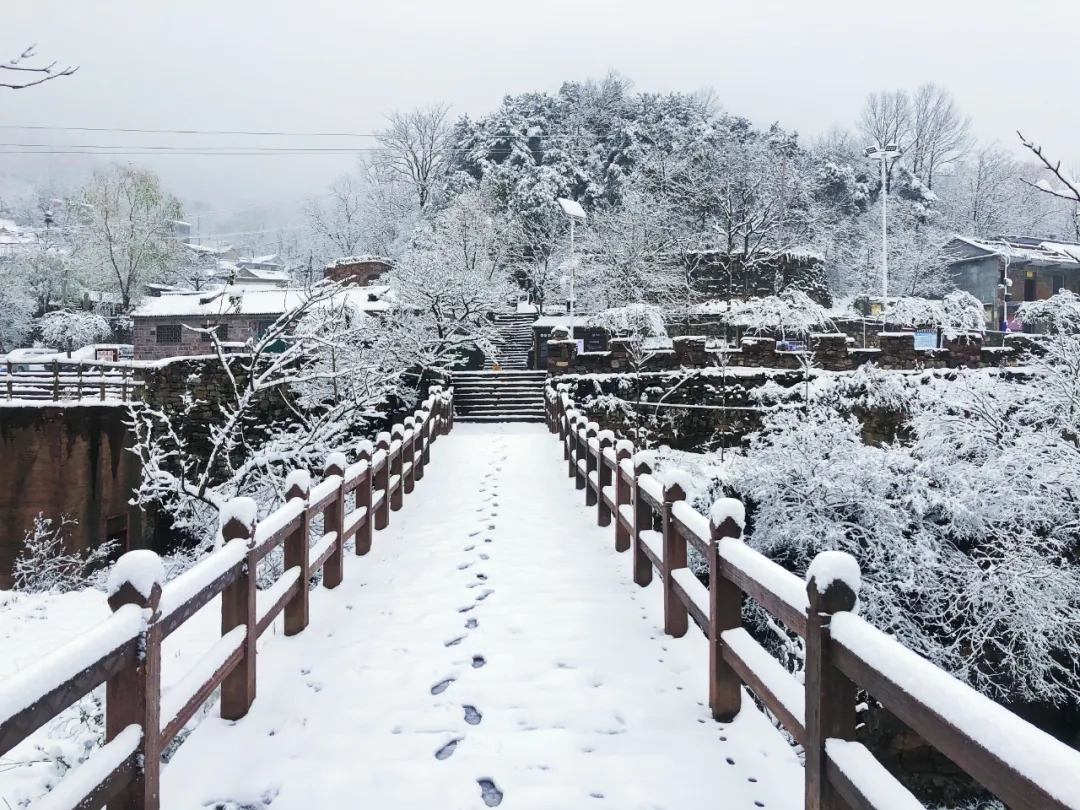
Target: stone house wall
pixel 241 328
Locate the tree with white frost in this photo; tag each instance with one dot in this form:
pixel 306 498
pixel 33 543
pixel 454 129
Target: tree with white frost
pixel 127 221
pixel 416 148
pixel 328 363
pixel 453 276
pixel 957 313
pixel 45 564
pixel 68 330
pixel 792 313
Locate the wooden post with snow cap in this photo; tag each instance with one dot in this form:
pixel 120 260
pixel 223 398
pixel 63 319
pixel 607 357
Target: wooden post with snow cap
pixel 334 521
pixel 238 521
pixel 570 445
pixel 726 521
pixel 623 493
pixel 603 478
pixel 133 695
pixel 298 486
pixel 833 581
pixel 408 450
pixel 429 433
pixel 643 521
pixel 676 618
pixel 564 430
pixel 397 433
pixel 420 451
pixel 382 482
pixel 592 460
pixel 363 500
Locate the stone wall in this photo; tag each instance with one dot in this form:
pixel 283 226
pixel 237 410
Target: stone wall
pixel 66 461
pixel 831 352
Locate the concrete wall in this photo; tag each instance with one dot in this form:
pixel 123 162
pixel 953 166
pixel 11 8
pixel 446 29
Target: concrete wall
pixel 65 460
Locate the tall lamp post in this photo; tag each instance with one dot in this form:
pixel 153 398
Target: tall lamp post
pixel 574 212
pixel 890 152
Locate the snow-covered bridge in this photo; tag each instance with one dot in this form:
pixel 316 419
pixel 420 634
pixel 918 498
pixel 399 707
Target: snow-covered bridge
pixel 494 647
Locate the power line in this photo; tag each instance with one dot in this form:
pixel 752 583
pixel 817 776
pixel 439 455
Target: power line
pixel 191 131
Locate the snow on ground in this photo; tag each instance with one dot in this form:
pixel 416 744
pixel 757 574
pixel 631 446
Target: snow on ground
pixel 34 625
pixel 491 648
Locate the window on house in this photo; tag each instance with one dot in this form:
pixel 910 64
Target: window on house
pixel 222 330
pixel 265 325
pixel 1029 289
pixel 168 333
pixel 1059 283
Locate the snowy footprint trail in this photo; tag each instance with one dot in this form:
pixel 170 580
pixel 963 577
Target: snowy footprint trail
pixel 491 650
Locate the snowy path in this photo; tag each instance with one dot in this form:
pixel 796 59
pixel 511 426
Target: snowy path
pixel 490 646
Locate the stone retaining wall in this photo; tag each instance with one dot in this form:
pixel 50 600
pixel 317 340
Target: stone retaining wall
pixel 831 352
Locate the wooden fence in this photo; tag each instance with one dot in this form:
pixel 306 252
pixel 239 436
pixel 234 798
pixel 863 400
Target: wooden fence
pixel 1021 765
pixel 124 652
pixel 76 380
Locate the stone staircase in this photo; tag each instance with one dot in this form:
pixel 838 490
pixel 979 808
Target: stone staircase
pixel 499 396
pixel 515 341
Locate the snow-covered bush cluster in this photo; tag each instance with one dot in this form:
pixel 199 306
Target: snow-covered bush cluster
pixel 66 329
pixel 46 565
pixel 966 530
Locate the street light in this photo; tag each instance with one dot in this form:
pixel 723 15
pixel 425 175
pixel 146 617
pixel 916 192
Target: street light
pixel 890 152
pixel 574 212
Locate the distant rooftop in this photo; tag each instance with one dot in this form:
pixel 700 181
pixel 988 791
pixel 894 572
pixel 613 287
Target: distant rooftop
pixel 248 301
pixel 345 261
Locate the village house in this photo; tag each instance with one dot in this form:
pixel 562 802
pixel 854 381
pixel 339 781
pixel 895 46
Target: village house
pixel 1036 268
pixel 167 325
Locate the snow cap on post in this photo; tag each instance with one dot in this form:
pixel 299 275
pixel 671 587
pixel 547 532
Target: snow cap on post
pixel 297 485
pixel 624 448
pixel 397 431
pixel 592 429
pixel 643 462
pixel 382 441
pixel 833 581
pixel 727 518
pixel 673 492
pixel 335 465
pixel 136 579
pixel 238 518
pixel 409 422
pixel 365 449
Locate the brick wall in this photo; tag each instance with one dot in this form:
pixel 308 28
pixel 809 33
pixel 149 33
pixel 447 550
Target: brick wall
pixel 70 461
pixel 362 273
pixel 241 328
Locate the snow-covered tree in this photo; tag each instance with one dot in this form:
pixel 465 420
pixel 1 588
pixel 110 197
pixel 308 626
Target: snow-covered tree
pixel 324 359
pixel 416 148
pixel 957 313
pixel 68 330
pixel 128 237
pixel 454 275
pixel 792 313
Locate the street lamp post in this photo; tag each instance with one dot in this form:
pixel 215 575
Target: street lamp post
pixel 574 212
pixel 890 152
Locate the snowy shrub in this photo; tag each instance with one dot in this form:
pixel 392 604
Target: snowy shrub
pixel 957 313
pixel 792 313
pixel 45 566
pixel 66 329
pixel 966 533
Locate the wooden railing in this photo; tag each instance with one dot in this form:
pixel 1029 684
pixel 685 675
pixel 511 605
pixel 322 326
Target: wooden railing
pixel 1021 765
pixel 124 652
pixel 75 380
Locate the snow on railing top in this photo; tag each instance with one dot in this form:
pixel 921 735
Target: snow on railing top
pixel 1022 765
pixel 145 611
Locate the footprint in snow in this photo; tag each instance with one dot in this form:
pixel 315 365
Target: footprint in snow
pixel 471 624
pixel 484 557
pixel 481 576
pixel 465 609
pixel 454 641
pixel 473 534
pixel 467 548
pixel 491 795
pixel 447 750
pixel 478 661
pixel 463 566
pixel 472 715
pixel 441 686
pixel 481 597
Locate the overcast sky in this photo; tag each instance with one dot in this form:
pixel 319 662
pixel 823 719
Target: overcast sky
pixel 323 66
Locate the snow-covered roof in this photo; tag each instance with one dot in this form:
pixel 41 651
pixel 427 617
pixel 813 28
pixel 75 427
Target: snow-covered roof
pixel 1030 250
pixel 11 234
pixel 264 274
pixel 247 301
pixel 345 261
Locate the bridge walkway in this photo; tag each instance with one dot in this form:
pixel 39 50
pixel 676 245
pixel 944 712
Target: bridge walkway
pixel 491 650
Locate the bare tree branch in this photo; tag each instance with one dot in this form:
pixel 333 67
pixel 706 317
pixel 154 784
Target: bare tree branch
pixel 38 75
pixel 1070 192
